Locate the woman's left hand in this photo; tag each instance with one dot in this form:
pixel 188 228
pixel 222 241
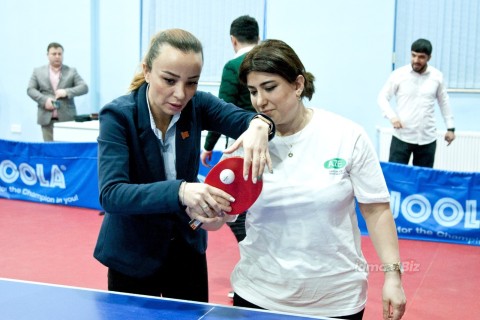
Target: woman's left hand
pixel 255 147
pixel 210 223
pixel 394 300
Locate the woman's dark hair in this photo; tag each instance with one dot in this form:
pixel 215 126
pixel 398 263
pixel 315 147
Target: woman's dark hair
pixel 277 57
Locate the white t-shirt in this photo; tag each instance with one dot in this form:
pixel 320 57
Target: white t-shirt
pixel 302 253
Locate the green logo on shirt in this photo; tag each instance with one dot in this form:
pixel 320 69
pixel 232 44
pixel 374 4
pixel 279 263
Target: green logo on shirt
pixel 335 163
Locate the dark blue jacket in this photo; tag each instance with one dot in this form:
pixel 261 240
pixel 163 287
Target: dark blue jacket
pixel 142 208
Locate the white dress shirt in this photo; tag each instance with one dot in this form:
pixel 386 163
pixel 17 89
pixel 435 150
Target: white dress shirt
pixel 167 146
pixel 243 50
pixel 415 103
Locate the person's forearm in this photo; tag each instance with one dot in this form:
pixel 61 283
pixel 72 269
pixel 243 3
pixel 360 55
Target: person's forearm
pixel 383 102
pixel 211 140
pixel 382 232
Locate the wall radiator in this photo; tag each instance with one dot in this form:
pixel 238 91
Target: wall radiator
pixel 463 154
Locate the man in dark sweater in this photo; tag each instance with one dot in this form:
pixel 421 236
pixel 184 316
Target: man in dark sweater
pixel 244 34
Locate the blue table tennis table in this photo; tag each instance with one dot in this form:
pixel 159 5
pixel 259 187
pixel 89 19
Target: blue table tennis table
pixel 22 300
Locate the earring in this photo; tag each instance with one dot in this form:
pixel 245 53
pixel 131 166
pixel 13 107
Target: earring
pixel 299 96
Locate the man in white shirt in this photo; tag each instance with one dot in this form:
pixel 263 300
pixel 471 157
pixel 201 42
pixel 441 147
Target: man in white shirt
pixel 416 87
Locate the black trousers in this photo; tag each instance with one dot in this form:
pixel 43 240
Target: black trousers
pixel 423 155
pixel 238 227
pixel 240 302
pixel 183 276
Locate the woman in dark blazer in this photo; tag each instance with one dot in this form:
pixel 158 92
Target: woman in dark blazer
pixel 148 161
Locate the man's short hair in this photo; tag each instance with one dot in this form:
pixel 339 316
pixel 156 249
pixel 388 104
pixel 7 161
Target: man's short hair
pixel 54 45
pixel 245 29
pixel 422 46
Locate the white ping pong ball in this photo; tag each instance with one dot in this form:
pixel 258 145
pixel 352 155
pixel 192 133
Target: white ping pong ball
pixel 227 176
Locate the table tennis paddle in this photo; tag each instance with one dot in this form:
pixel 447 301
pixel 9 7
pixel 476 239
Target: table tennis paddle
pixel 227 175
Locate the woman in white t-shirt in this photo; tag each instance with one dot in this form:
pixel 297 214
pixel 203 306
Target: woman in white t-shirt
pixel 302 253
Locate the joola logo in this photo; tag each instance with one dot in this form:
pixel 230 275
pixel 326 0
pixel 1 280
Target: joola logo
pixel 335 163
pixel 9 173
pixel 447 212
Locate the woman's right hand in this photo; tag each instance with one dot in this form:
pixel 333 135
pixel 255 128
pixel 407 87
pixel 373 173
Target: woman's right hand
pixel 255 149
pixel 204 201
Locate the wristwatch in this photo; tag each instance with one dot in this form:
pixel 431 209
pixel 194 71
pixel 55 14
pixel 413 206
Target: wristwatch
pixel 389 267
pixel 451 129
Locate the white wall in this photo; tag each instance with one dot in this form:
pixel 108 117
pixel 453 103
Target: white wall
pixel 346 44
pixel 27 27
pixel 119 47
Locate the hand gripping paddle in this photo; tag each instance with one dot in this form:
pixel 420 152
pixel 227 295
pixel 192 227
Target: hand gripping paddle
pixel 227 175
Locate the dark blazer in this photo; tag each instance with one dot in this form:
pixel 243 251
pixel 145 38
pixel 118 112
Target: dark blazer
pixel 40 89
pixel 142 209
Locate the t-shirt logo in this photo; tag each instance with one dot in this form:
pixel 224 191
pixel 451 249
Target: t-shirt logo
pixel 335 163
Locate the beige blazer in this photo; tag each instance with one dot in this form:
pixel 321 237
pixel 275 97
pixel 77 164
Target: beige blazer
pixel 40 89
